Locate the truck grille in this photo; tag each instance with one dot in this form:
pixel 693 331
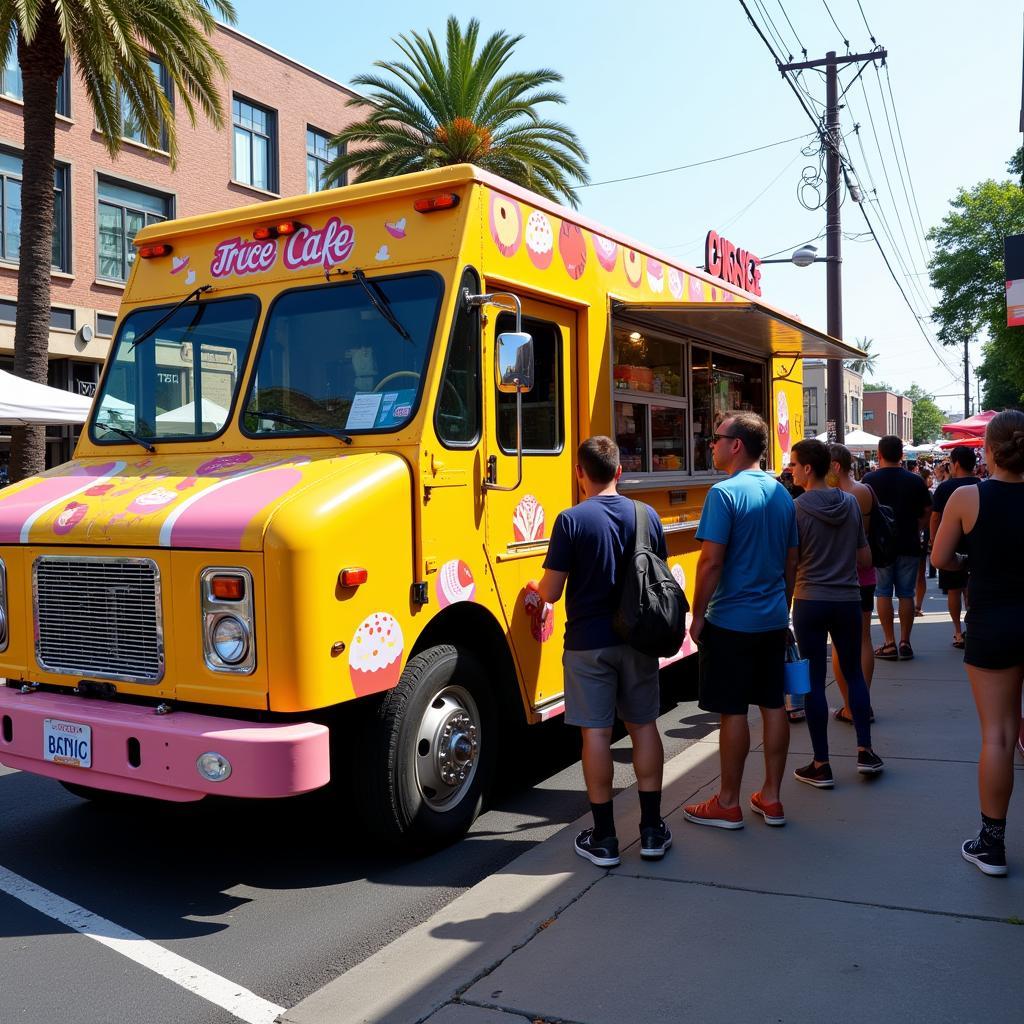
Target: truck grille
pixel 99 617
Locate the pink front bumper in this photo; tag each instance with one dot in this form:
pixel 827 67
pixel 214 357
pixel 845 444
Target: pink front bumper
pixel 267 760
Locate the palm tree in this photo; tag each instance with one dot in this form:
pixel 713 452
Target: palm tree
pixel 454 107
pixel 110 44
pixel 866 366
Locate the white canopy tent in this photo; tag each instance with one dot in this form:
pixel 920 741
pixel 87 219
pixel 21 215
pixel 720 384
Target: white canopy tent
pixel 857 441
pixel 185 415
pixel 24 402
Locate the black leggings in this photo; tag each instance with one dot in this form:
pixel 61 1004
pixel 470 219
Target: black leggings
pixel 813 622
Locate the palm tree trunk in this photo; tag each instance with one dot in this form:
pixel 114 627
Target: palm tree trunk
pixel 42 63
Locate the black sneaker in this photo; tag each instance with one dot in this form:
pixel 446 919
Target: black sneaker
pixel 602 852
pixel 655 841
pixel 869 763
pixel 989 859
pixel 819 777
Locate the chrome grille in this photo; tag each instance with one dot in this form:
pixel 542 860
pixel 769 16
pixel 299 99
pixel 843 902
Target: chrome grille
pixel 99 617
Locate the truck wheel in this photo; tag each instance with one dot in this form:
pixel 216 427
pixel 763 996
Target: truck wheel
pixel 430 755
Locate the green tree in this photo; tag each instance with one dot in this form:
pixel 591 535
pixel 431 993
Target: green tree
pixel 880 386
pixel 456 106
pixel 110 43
pixel 865 366
pixel 928 417
pixel 967 271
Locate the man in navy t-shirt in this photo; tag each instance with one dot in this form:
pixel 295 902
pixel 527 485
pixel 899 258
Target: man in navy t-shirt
pixel 590 544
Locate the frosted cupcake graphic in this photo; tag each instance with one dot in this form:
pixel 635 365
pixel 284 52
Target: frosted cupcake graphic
pixel 528 519
pixel 605 250
pixel 454 583
pixel 655 276
pixel 375 657
pixel 540 240
pixel 675 282
pixel 782 424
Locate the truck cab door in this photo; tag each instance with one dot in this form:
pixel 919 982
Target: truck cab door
pixel 518 523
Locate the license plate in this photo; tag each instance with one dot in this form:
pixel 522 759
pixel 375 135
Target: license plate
pixel 67 743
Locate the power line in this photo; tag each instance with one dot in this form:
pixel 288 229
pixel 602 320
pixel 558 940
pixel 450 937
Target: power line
pixel 698 163
pixel 799 41
pixel 846 42
pixel 772 27
pixel 871 35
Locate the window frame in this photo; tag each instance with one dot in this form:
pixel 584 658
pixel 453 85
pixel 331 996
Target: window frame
pixel 470 279
pixel 312 155
pixel 167 85
pixel 271 135
pixel 167 197
pixel 63 100
pixel 62 226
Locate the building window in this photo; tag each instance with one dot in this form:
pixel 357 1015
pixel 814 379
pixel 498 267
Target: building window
pixel 869 415
pixel 854 409
pixel 105 324
pixel 10 211
pixel 255 135
pixel 130 125
pixel 12 87
pixel 8 311
pixel 62 319
pixel 123 212
pixel 319 153
pixel 811 406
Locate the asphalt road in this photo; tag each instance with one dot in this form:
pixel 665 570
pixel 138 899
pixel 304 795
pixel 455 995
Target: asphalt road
pixel 278 898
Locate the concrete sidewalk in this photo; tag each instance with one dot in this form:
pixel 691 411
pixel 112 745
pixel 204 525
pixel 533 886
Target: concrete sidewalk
pixel 860 909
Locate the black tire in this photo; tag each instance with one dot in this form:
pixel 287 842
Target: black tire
pixel 441 687
pixel 102 797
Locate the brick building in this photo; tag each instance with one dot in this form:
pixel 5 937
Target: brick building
pixel 889 413
pixel 279 116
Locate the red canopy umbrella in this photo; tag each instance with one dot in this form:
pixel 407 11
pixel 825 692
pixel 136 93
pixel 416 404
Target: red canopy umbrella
pixel 963 442
pixel 973 426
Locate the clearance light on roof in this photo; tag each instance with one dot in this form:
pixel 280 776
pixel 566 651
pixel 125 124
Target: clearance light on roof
pixel 285 227
pixel 445 201
pixel 148 252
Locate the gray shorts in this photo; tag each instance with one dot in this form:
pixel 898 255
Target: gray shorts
pixel 606 679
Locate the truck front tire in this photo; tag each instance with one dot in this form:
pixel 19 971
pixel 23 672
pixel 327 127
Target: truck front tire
pixel 428 757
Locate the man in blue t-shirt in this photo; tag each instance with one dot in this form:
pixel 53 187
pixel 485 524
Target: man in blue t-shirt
pixel 742 593
pixel 589 547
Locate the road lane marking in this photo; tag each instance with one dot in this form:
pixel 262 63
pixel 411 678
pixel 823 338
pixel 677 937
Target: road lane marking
pixel 239 1002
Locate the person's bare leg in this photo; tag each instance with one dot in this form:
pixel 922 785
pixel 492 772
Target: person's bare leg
pixel 953 603
pixel 776 749
pixel 648 756
pixel 997 697
pixel 733 747
pixel 921 588
pixel 906 619
pixel 597 764
pixel 840 681
pixel 885 618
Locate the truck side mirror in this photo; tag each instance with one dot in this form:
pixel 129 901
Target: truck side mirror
pixel 514 362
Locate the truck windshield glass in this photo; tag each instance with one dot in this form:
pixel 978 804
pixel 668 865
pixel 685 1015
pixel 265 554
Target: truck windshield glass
pixel 330 359
pixel 180 383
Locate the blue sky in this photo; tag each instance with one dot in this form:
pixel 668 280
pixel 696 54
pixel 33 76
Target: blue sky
pixel 657 85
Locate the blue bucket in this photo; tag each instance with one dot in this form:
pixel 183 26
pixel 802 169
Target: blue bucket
pixel 798 677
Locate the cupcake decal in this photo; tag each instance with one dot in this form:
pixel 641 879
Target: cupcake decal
pixel 634 270
pixel 679 576
pixel 573 249
pixel 395 228
pixel 375 655
pixel 540 240
pixel 655 276
pixel 454 583
pixel 506 224
pixel 72 514
pixel 605 250
pixel 696 289
pixel 542 617
pixel 675 283
pixel 528 519
pixel 782 424
pixel 152 501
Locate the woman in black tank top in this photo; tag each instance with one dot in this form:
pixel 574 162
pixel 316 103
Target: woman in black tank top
pixel 987 520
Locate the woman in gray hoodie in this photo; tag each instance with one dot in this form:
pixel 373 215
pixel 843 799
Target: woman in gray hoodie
pixel 826 603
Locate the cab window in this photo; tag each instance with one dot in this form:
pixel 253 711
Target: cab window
pixel 543 428
pixel 457 420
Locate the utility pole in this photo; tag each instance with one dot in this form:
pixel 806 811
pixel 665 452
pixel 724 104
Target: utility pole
pixel 967 380
pixel 831 137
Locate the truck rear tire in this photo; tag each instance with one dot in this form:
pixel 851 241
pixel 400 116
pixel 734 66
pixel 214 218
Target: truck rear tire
pixel 428 758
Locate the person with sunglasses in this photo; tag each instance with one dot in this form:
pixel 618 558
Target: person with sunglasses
pixel 743 589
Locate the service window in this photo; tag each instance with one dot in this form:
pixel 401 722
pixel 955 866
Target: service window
pixel 722 385
pixel 543 426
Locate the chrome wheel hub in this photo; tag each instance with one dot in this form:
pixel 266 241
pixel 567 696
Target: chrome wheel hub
pixel 447 748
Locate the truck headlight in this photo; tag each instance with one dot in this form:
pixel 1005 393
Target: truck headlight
pixel 229 639
pixel 5 631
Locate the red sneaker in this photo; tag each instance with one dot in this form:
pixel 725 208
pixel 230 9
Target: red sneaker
pixel 773 814
pixel 711 812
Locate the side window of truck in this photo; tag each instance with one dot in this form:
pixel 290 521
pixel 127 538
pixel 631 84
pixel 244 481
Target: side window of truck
pixel 457 418
pixel 543 431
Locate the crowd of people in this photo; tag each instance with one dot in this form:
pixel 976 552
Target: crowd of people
pixel 817 548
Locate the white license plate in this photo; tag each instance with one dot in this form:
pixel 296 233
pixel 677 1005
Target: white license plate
pixel 67 743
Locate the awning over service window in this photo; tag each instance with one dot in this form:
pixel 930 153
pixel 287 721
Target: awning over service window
pixel 744 323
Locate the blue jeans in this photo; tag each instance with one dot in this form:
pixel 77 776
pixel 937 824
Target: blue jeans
pixel 813 623
pixel 901 576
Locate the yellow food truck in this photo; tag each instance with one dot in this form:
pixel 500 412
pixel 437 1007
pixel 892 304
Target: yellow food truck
pixel 330 441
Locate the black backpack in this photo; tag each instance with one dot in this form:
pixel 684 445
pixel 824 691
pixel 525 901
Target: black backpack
pixel 881 533
pixel 651 616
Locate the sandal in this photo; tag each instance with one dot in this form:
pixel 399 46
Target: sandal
pixel 839 715
pixel 906 652
pixel 958 643
pixel 887 652
pixel 796 715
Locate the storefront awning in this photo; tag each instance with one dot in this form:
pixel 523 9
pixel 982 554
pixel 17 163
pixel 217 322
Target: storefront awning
pixel 745 323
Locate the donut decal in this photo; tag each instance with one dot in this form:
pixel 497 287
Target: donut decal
pixel 675 283
pixel 375 654
pixel 540 240
pixel 506 224
pixel 454 583
pixel 528 519
pixel 633 264
pixel 573 249
pixel 696 289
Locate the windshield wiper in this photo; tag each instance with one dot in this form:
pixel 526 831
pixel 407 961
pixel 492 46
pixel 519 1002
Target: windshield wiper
pixel 294 421
pixel 380 302
pixel 128 435
pixel 150 331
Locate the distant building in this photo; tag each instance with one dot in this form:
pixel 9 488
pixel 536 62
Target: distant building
pixel 889 413
pixel 279 117
pixel 816 398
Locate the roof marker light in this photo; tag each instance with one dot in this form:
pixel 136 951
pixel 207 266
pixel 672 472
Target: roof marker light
pixel 148 252
pixel 284 227
pixel 431 204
